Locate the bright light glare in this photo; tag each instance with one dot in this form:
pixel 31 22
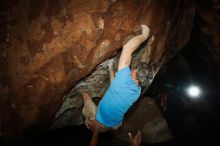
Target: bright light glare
pixel 193 91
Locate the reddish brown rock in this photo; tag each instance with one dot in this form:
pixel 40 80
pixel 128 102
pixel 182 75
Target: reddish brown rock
pixel 48 46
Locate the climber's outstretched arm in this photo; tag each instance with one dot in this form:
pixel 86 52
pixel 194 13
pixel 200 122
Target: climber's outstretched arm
pixel 131 46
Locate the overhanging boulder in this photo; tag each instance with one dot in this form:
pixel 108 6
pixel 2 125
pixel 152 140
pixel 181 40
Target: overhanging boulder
pixel 49 46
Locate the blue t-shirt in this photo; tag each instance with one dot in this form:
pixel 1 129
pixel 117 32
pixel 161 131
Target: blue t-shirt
pixel 118 98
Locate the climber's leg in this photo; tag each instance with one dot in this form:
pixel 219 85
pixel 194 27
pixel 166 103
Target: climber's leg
pixel 89 108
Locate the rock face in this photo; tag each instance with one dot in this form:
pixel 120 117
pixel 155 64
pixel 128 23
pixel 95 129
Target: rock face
pixel 47 47
pixel 207 33
pixel 151 123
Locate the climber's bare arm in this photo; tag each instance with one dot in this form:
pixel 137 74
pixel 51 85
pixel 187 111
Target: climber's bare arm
pixel 111 73
pixel 94 140
pixel 91 124
pixel 131 46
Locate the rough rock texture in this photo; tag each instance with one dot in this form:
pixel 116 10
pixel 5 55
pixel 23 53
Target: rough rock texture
pixel 207 33
pixel 49 46
pixel 153 126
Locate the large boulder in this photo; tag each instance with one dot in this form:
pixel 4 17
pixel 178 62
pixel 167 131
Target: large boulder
pixel 47 47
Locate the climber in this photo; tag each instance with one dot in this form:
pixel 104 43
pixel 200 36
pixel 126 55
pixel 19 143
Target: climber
pixel 121 94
